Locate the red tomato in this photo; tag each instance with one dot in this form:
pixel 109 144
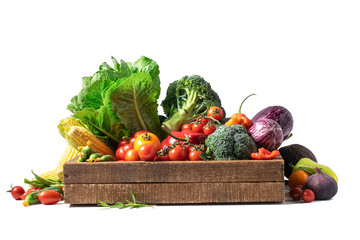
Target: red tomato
pixel 147 152
pixel 49 197
pixel 147 137
pixel 132 155
pixel 177 154
pixel 215 112
pixel 202 120
pixel 197 127
pixel 122 143
pixel 209 129
pixel 132 141
pixel 127 147
pixel 17 192
pixel 195 156
pixel 120 153
pixel 191 148
pixel 186 126
pixel 308 195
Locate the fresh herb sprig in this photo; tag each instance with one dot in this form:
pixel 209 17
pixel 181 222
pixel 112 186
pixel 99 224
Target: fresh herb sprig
pixel 128 204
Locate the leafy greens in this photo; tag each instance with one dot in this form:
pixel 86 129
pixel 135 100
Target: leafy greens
pixel 118 101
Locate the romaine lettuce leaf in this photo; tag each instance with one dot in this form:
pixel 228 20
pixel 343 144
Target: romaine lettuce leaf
pixel 117 102
pixel 134 102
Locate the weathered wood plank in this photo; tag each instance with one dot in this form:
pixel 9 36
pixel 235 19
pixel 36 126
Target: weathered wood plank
pixel 174 172
pixel 176 193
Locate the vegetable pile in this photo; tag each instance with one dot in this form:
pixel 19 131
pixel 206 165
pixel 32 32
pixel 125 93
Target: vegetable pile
pixel 115 118
pixel 42 190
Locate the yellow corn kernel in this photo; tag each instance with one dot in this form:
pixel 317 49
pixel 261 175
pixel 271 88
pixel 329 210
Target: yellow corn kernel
pixel 66 123
pixel 50 174
pixel 69 153
pixel 79 137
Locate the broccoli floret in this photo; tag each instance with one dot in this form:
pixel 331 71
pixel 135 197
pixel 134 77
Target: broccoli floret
pixel 230 143
pixel 187 98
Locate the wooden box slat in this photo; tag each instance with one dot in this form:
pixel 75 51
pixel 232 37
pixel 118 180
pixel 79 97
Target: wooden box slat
pixel 179 171
pixel 178 182
pixel 176 193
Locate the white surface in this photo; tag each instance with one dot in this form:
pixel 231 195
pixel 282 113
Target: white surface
pixel 301 55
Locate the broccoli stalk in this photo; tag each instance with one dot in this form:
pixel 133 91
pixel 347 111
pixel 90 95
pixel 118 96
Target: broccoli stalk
pixel 188 98
pixel 185 111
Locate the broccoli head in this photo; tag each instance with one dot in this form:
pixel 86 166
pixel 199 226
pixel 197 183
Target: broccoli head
pixel 187 98
pixel 230 143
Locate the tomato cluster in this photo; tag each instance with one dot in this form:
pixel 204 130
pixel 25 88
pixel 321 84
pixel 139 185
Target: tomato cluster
pixel 297 186
pixel 142 146
pixel 205 124
pixel 184 152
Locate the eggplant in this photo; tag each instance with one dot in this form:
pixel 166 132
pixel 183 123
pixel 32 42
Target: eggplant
pixel 267 134
pixel 279 114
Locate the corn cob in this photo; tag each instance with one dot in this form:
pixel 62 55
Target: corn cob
pixel 57 173
pixel 60 174
pixel 66 123
pixel 50 174
pixel 78 137
pixel 69 153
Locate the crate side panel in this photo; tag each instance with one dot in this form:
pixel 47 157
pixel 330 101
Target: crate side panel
pixel 170 172
pixel 176 193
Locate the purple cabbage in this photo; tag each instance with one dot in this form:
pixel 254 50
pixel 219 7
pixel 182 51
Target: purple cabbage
pixel 279 114
pixel 267 134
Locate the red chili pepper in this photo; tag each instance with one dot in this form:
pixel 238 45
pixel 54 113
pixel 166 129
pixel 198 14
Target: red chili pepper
pixel 187 135
pixel 264 154
pixel 183 136
pixel 171 140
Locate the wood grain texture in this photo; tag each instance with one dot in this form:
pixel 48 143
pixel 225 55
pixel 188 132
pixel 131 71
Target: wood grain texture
pixel 175 182
pixel 176 193
pixel 174 171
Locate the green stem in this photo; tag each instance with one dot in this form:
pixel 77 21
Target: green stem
pixel 244 101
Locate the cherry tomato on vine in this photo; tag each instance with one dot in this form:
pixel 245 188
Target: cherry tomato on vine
pixel 308 195
pixel 147 137
pixel 121 151
pixel 132 141
pixel 209 129
pixel 177 153
pixel 215 112
pixel 17 192
pixel 49 197
pixel 195 155
pixel 186 126
pixel 197 127
pixel 147 152
pixel 122 143
pixel 202 120
pixel 132 155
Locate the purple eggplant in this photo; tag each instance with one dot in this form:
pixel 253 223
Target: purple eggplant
pixel 279 114
pixel 267 134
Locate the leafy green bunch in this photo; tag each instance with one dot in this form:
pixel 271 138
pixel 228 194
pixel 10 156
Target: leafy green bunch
pixel 118 101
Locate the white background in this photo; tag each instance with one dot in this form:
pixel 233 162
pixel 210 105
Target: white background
pixel 303 55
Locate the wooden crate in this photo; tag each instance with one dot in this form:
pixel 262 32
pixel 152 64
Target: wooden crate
pixel 175 182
